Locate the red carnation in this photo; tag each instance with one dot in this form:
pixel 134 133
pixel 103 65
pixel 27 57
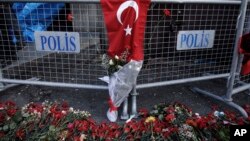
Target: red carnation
pixel 144 112
pixel 191 122
pixel 11 112
pixel 167 12
pixel 20 134
pixel 70 17
pixel 65 106
pixel 10 104
pixel 70 126
pixel 2 117
pixel 170 117
pixel 126 130
pixel 2 134
pixel 201 123
pixel 240 121
pixel 77 138
pixel 83 126
pixel 158 129
pixel 35 107
pixel 170 110
pixel 2 106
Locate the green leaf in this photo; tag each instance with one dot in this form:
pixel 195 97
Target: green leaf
pixel 52 128
pixel 25 115
pixel 5 128
pixel 161 117
pixel 18 117
pixel 12 125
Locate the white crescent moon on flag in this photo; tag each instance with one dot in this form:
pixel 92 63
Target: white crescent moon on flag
pixel 124 6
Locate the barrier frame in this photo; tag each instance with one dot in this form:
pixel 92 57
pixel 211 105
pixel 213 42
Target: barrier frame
pixel 6 83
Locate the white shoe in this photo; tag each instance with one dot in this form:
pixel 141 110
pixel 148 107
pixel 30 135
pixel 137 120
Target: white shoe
pixel 112 115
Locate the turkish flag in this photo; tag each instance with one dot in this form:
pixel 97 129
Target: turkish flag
pixel 244 48
pixel 125 21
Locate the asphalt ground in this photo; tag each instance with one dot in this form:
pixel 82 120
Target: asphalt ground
pixel 95 101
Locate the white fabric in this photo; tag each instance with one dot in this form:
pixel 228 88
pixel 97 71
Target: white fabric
pixel 112 116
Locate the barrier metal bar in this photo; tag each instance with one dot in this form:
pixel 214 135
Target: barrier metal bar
pixel 54 84
pixel 179 81
pixel 240 89
pixel 243 80
pixel 158 1
pixel 230 103
pixel 240 26
pixel 100 87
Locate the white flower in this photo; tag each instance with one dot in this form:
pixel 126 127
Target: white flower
pixel 119 66
pixel 225 122
pixel 221 113
pixel 111 62
pixel 83 137
pixel 63 112
pixel 39 115
pixel 8 118
pixel 165 130
pixel 116 57
pixel 216 113
pixel 71 109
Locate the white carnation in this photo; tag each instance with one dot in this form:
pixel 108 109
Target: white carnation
pixel 111 62
pixel 116 57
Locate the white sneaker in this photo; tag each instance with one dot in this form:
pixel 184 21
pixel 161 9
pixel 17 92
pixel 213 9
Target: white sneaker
pixel 112 115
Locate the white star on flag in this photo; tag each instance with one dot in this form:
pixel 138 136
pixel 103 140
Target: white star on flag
pixel 128 30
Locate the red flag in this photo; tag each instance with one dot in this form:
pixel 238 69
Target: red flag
pixel 125 21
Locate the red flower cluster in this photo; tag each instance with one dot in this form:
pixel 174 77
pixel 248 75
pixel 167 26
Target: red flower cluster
pixel 58 111
pixel 56 121
pixel 247 108
pixel 7 109
pixel 170 117
pixel 35 108
pixel 143 112
pixel 167 12
pixel 93 131
pixel 20 134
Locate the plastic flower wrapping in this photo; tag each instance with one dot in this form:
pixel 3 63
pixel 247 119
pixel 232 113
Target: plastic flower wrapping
pixel 121 76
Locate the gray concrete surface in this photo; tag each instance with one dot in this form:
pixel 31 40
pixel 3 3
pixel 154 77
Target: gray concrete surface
pixel 95 101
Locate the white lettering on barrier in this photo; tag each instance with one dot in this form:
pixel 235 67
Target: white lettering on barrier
pixel 195 39
pixel 68 42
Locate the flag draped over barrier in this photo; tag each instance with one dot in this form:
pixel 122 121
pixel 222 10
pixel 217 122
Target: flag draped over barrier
pixel 125 21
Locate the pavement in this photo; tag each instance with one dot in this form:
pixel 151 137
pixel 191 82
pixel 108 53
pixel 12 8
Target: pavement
pixel 95 101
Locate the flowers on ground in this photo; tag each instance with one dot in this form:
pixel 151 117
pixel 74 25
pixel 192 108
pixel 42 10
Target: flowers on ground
pixel 57 121
pixel 37 121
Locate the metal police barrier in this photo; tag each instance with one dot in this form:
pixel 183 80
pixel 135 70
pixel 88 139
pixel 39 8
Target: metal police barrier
pixel 185 41
pixel 237 82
